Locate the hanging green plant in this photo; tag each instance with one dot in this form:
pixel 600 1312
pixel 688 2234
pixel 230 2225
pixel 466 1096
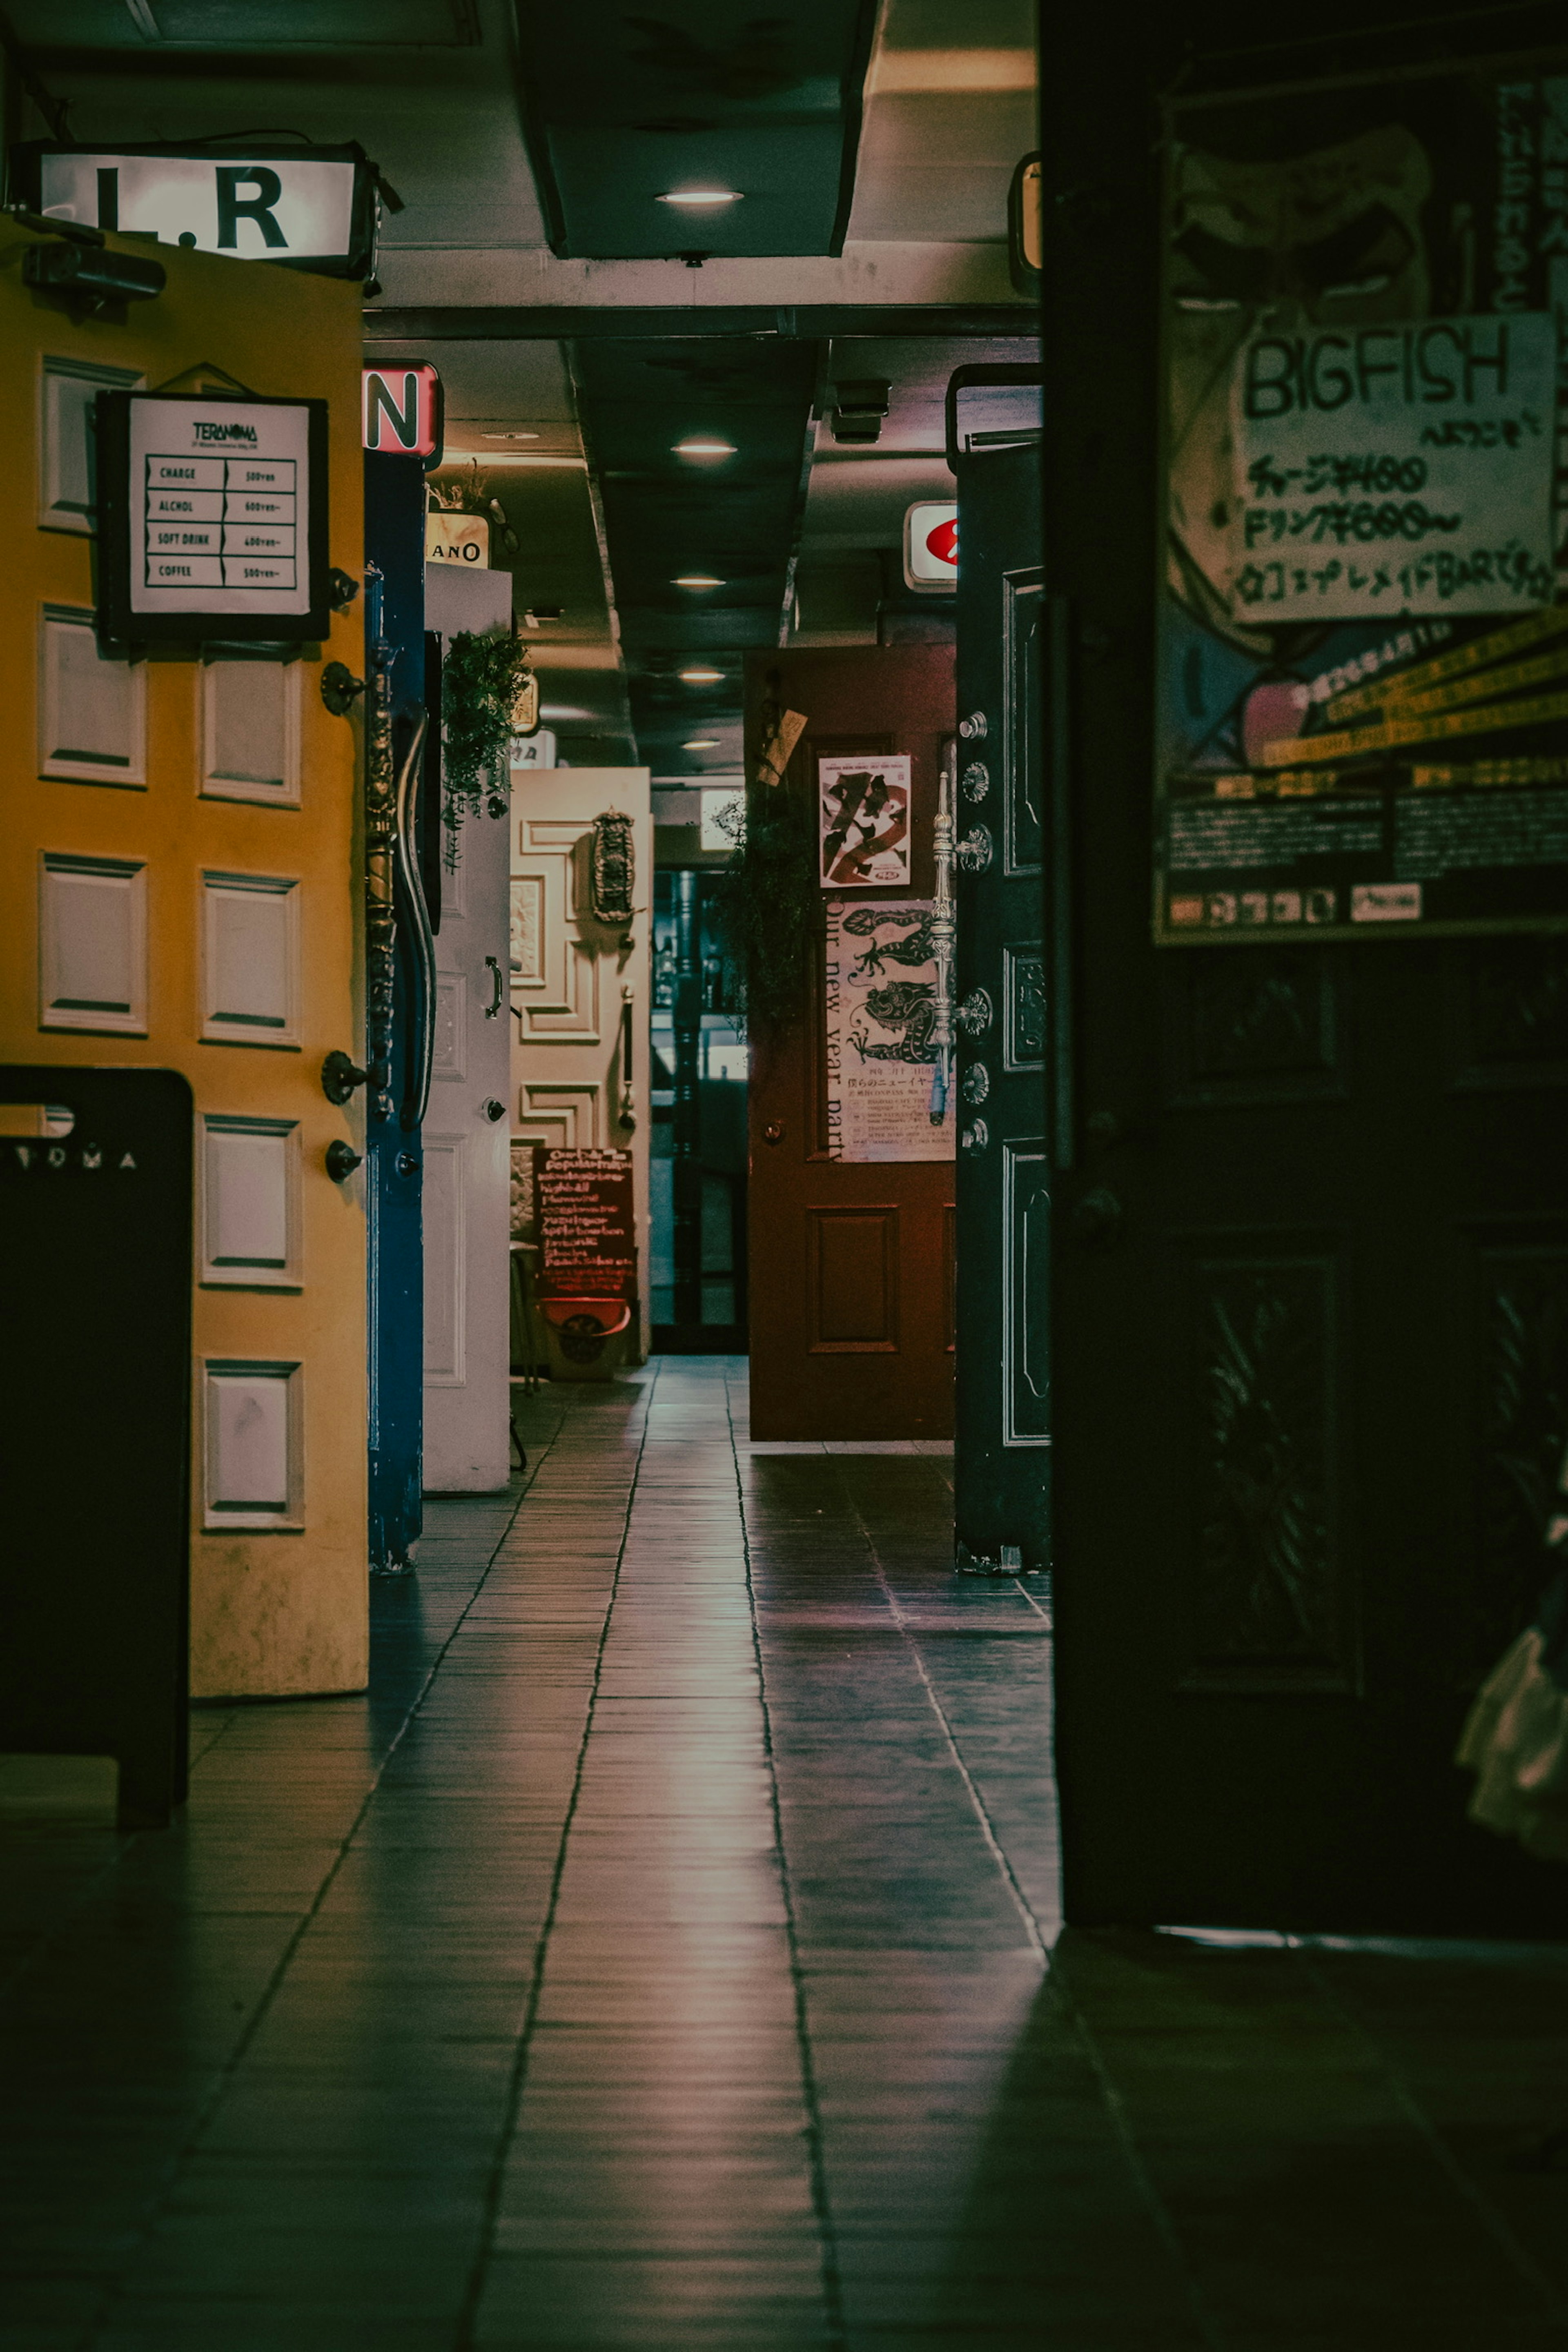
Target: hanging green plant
pixel 769 904
pixel 482 681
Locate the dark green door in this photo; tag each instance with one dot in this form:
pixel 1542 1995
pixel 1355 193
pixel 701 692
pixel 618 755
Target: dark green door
pixel 1003 1404
pixel 1310 1296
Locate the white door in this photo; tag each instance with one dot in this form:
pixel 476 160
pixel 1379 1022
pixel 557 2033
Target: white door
pixel 465 1133
pixel 580 986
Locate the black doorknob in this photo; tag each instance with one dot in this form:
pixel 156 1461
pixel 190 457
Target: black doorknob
pixel 407 1165
pixel 1096 1219
pixel 342 1161
pixel 339 1077
pixel 494 1110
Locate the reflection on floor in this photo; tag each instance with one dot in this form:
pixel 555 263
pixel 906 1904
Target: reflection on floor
pixel 658 1958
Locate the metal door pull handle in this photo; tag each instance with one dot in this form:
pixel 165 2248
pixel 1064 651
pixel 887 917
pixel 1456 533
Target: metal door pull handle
pixel 493 965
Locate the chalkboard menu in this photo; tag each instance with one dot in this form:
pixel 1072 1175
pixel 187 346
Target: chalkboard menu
pixel 586 1223
pixel 1363 662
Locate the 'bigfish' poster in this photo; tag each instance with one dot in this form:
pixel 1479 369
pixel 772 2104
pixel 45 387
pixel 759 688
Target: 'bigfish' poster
pixel 1363 656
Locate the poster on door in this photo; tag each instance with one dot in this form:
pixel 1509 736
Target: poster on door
pixel 1364 666
pixel 864 817
pixel 880 997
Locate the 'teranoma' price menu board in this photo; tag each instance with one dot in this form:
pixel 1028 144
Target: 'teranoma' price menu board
pixel 212 518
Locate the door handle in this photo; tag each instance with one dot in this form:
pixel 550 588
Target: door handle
pixel 411 890
pixel 493 965
pixel 628 1113
pixel 1096 1219
pixel 772 1132
pixel 339 1077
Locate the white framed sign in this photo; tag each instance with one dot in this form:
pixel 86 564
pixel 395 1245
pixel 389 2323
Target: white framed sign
pixel 863 821
pixel 212 518
pixel 307 207
pixel 930 546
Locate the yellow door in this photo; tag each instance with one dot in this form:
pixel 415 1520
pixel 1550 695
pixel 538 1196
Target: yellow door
pixel 179 888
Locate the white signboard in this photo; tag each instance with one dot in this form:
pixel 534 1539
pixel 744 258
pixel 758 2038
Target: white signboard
pixel 881 1009
pixel 864 822
pixel 219 507
pixel 535 751
pixel 930 544
pixel 1394 469
pixel 288 208
pixel 462 539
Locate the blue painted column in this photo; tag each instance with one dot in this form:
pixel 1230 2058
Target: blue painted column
pixel 394 543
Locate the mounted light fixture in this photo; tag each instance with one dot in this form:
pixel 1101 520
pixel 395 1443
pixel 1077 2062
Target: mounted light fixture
pixel 702 199
pixel 509 437
pixel 697 580
pixel 702 743
pixel 703 676
pixel 703 445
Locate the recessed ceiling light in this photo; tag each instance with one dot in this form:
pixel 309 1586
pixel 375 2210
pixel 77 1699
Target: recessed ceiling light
pixel 700 199
pixel 697 580
pixel 703 445
pixel 703 676
pixel 702 743
pixel 509 437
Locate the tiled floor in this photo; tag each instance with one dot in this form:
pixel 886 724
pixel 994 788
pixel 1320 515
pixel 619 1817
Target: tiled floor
pixel 658 1958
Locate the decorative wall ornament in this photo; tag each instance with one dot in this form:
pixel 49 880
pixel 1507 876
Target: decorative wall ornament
pixel 613 869
pixel 943 932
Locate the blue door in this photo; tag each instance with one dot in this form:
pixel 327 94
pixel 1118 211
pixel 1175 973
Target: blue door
pixel 395 545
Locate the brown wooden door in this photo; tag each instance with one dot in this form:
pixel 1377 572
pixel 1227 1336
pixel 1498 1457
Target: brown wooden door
pixel 851 1265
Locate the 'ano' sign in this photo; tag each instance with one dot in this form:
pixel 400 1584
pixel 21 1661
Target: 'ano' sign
pixel 401 407
pixel 311 208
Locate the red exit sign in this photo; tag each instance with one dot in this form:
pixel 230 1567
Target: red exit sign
pixel 401 407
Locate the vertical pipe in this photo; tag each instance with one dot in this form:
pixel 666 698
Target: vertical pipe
pixel 687 1169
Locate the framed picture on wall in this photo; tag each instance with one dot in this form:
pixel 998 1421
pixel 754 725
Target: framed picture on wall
pixel 863 805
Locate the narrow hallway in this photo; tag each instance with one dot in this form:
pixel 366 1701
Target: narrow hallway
pixel 658 1958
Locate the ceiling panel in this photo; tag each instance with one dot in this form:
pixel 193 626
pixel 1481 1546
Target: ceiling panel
pixel 246 24
pixel 626 107
pixel 736 518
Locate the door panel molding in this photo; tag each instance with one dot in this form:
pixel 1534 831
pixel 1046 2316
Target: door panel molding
pixel 1025 1292
pixel 249 1203
pixel 1024 834
pixel 1270 1601
pixel 852 1281
pixel 1024 1007
pixel 92 943
pixel 446 1261
pixel 562 1003
pixel 1519 1416
pixel 1263 1027
pixel 450 1057
pixel 253 1453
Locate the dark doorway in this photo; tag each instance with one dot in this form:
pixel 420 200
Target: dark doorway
pixel 698 1162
